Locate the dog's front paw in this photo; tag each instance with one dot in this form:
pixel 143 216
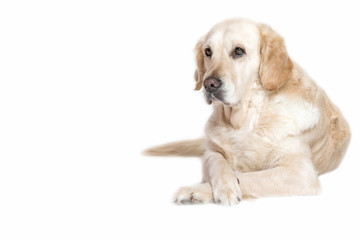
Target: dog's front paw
pixel 199 193
pixel 227 191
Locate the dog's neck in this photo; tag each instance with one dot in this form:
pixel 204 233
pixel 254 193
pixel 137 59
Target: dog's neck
pixel 246 110
pixel 233 116
pixel 236 115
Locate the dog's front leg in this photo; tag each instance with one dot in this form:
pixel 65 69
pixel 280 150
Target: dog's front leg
pixel 295 175
pixel 221 176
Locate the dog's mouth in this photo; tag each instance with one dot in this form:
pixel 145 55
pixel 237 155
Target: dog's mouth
pixel 209 98
pixel 215 96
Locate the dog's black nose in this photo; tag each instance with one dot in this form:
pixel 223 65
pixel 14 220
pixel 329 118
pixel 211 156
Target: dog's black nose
pixel 212 84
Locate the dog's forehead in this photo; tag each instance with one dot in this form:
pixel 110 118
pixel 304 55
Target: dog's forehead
pixel 234 31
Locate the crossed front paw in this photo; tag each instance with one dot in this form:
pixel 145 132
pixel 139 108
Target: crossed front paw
pixel 221 192
pixel 199 193
pixel 226 191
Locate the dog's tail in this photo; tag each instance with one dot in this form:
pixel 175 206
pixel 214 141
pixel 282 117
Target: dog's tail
pixel 189 148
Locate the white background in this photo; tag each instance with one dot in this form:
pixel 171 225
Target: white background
pixel 85 86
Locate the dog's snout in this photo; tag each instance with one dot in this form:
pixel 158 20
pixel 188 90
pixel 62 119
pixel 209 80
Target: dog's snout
pixel 212 84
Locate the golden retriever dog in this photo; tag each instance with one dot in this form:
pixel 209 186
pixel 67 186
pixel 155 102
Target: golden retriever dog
pixel 272 132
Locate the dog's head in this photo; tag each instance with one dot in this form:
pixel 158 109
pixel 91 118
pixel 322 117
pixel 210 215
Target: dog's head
pixel 235 54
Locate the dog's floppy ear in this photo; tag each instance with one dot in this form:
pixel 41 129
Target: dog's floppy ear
pixel 275 64
pixel 200 71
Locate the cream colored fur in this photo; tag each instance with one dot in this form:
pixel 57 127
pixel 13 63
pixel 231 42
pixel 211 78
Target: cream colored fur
pixel 274 132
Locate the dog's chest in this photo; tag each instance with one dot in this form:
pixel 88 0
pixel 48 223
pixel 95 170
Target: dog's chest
pixel 245 149
pixel 264 125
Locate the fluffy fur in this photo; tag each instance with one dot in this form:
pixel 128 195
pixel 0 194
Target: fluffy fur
pixel 273 131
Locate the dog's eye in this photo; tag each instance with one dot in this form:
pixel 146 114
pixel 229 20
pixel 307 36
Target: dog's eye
pixel 208 52
pixel 239 52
